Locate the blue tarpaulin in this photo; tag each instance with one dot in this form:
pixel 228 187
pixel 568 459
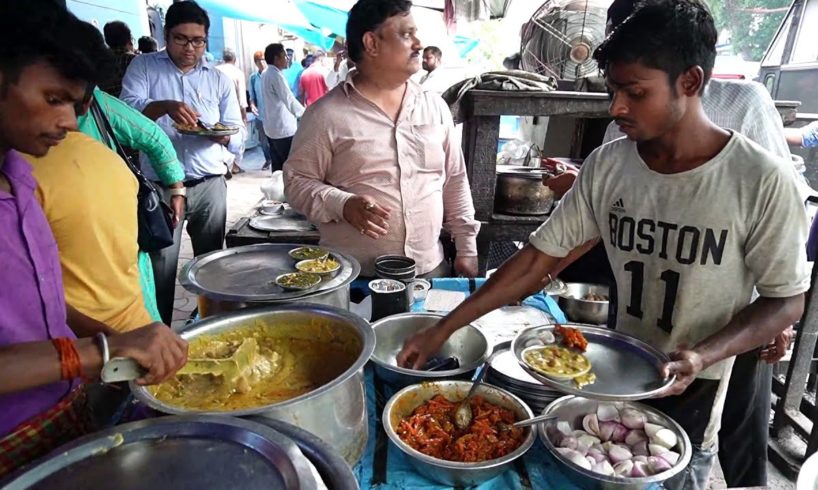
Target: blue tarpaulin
pixel 327 19
pixel 282 14
pixel 310 35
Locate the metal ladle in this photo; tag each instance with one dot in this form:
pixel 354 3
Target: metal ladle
pixel 503 427
pixel 231 368
pixel 463 415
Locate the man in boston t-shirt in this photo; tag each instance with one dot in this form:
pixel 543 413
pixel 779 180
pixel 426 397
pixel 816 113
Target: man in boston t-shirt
pixel 692 216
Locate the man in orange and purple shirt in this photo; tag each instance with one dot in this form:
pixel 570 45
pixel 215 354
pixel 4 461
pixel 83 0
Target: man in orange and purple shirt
pixel 375 163
pixel 45 345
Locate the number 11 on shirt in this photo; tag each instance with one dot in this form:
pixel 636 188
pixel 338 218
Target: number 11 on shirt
pixel 671 280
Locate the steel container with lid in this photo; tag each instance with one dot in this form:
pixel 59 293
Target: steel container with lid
pixel 335 412
pixel 242 277
pixel 189 452
pixel 521 191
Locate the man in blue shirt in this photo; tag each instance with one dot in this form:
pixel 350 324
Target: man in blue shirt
pixel 293 72
pixel 257 106
pixel 176 87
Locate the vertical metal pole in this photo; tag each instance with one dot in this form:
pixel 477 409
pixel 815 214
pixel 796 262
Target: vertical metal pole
pixel 799 367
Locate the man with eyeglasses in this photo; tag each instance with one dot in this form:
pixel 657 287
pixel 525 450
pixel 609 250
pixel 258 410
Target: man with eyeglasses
pixel 177 86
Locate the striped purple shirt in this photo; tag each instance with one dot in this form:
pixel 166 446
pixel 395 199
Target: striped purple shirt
pixel 32 303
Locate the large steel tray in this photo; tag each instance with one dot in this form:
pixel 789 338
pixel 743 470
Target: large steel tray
pixel 248 273
pixel 626 368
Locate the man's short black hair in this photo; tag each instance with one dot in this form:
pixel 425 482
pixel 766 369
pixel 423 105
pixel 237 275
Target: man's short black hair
pixel 365 16
pixel 668 35
pixel 272 52
pixel 620 10
pixel 307 61
pixel 434 50
pixel 147 44
pixel 188 12
pixel 31 32
pixel 117 34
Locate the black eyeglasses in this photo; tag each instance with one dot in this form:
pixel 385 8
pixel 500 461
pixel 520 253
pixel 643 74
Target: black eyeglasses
pixel 196 42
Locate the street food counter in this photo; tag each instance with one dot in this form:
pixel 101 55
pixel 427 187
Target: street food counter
pixel 313 363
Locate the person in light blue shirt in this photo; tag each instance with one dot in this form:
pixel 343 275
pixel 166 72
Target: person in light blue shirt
pixel 177 87
pixel 293 72
pixel 806 137
pixel 257 105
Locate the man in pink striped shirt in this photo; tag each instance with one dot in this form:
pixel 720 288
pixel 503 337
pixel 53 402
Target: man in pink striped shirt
pixel 375 163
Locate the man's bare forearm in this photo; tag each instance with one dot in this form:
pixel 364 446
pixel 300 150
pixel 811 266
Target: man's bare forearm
pixel 155 110
pixel 520 274
pixel 85 326
pixel 33 364
pixel 752 327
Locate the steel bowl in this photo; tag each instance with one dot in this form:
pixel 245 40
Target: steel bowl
pixel 452 473
pixel 572 409
pixel 295 253
pixel 335 412
pixel 303 264
pixel 315 280
pixel 584 310
pixel 468 344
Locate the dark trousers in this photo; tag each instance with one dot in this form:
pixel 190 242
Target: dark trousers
pixel 279 151
pixel 692 410
pixel 206 215
pixel 745 422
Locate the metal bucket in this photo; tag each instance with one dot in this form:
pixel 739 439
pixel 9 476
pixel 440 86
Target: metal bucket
pixel 335 412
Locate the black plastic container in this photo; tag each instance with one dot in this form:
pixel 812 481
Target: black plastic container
pixel 388 298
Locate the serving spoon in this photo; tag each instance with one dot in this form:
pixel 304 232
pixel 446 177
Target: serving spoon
pixel 504 427
pixel 463 415
pixel 231 368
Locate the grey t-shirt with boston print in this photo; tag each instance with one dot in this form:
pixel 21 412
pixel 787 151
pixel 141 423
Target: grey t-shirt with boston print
pixel 686 249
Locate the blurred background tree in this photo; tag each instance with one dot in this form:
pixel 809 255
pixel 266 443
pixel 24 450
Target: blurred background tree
pixel 751 23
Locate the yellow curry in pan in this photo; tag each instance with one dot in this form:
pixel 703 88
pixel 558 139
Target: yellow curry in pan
pixel 292 360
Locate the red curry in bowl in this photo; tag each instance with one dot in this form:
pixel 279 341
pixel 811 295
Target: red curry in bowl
pixel 432 431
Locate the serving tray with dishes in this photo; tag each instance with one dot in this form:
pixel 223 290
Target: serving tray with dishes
pixel 594 362
pixel 217 129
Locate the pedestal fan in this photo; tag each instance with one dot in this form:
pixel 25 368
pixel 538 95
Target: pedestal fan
pixel 561 37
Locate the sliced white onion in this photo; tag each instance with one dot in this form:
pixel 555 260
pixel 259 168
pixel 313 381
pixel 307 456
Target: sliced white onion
pixel 633 418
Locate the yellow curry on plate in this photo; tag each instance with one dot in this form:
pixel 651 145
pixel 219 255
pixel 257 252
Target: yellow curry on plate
pixel 292 359
pixel 556 361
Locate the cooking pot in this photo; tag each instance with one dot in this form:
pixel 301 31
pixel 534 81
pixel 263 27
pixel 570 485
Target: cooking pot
pixel 335 412
pixel 520 190
pixel 244 277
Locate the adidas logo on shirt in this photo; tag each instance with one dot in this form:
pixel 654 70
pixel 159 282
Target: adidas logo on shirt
pixel 618 206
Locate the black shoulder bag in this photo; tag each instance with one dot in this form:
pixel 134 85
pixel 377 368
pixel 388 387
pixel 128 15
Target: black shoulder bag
pixel 154 216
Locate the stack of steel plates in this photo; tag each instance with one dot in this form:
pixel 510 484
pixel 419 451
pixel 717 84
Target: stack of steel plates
pixel 505 372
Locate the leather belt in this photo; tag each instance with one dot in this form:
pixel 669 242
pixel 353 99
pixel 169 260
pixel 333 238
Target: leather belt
pixel 193 182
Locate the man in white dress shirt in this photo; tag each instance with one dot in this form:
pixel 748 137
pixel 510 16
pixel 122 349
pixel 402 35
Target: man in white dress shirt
pixel 235 74
pixel 281 109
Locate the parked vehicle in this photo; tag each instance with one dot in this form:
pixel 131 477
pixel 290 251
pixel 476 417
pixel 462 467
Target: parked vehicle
pixel 789 69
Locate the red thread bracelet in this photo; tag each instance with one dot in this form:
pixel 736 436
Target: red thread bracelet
pixel 70 365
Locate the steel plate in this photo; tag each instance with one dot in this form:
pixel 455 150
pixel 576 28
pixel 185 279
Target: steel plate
pixel 330 465
pixel 504 323
pixel 248 273
pixel 180 453
pixel 207 133
pixel 626 368
pixel 279 222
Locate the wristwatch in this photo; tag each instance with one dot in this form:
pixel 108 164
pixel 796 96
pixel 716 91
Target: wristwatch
pixel 178 191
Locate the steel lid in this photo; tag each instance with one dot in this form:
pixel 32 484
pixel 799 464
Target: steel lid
pixel 179 453
pixel 248 273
